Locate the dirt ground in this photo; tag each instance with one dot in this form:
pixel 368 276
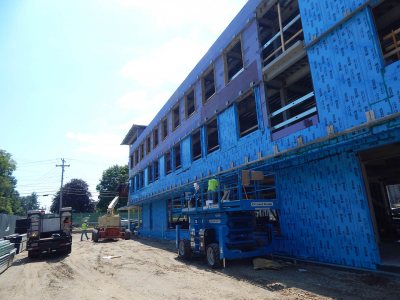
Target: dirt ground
pixel 146 269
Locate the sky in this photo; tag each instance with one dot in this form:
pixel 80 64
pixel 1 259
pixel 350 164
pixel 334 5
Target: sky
pixel 75 75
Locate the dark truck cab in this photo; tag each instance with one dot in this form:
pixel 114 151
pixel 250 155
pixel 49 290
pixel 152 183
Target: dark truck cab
pixel 48 233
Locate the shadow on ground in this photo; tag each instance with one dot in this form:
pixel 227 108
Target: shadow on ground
pixel 305 279
pixel 49 258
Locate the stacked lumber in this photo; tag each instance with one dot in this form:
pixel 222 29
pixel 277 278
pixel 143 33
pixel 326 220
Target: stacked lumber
pixel 19 240
pixel 7 253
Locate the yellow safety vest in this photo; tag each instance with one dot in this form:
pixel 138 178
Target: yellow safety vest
pixel 212 184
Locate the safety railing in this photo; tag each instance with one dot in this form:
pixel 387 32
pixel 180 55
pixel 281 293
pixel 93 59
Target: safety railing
pixel 230 190
pixel 307 110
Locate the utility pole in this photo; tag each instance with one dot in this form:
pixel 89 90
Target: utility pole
pixel 63 165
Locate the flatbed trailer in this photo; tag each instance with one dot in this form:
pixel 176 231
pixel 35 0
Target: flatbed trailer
pixel 49 233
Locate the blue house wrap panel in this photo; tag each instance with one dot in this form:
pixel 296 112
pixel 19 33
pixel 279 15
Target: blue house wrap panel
pixel 154 219
pixel 228 128
pixel 186 152
pixel 319 15
pixel 324 212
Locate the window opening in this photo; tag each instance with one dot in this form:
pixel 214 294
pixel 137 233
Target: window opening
pixel 141 151
pixel 268 217
pixel 196 145
pixel 393 192
pixel 247 113
pixel 148 145
pixel 131 163
pixel 167 162
pixel 175 216
pixel 135 182
pixel 208 85
pixel 267 188
pixel 155 137
pixel 141 179
pixel 132 184
pixel 234 61
pixel 290 97
pixel 164 128
pixel 176 117
pixel 279 28
pixel 189 104
pixel 177 156
pixel 136 156
pixel 150 174
pixel 387 20
pixel 212 136
pixel 156 170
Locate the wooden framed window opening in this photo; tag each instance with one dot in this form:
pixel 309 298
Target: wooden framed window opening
pixel 212 136
pixel 175 216
pixel 290 97
pixel 156 170
pixel 177 156
pixel 387 21
pixel 141 151
pixel 247 115
pixel 150 174
pixel 155 137
pixel 196 145
pixel 136 156
pixel 148 145
pixel 176 120
pixel 190 106
pixel 167 162
pixel 279 28
pixel 140 179
pixel 164 128
pixel 208 84
pixel 233 61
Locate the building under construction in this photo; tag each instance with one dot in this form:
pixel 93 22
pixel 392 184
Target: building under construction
pixel 307 95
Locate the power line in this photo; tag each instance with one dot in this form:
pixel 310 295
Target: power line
pixel 47 161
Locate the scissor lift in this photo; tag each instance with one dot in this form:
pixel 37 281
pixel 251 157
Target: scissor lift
pixel 239 225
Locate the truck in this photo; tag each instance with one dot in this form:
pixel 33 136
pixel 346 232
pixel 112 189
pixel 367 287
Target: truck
pixel 109 226
pixel 48 233
pixel 241 222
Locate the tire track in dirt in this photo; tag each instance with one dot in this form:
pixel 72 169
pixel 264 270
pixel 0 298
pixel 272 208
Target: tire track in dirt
pixel 141 271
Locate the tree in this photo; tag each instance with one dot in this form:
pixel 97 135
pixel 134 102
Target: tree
pixel 76 195
pixel 8 194
pixel 29 203
pixel 110 184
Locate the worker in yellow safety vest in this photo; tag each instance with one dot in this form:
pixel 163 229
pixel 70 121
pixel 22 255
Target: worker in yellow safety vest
pixel 84 230
pixel 212 190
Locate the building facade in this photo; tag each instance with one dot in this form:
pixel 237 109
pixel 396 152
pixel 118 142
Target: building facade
pixel 307 91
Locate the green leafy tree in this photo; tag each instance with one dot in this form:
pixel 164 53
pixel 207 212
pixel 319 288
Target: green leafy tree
pixel 29 203
pixel 76 195
pixel 8 194
pixel 110 185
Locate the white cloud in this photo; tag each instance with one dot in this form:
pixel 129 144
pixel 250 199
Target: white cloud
pixel 168 64
pixel 104 145
pixel 141 106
